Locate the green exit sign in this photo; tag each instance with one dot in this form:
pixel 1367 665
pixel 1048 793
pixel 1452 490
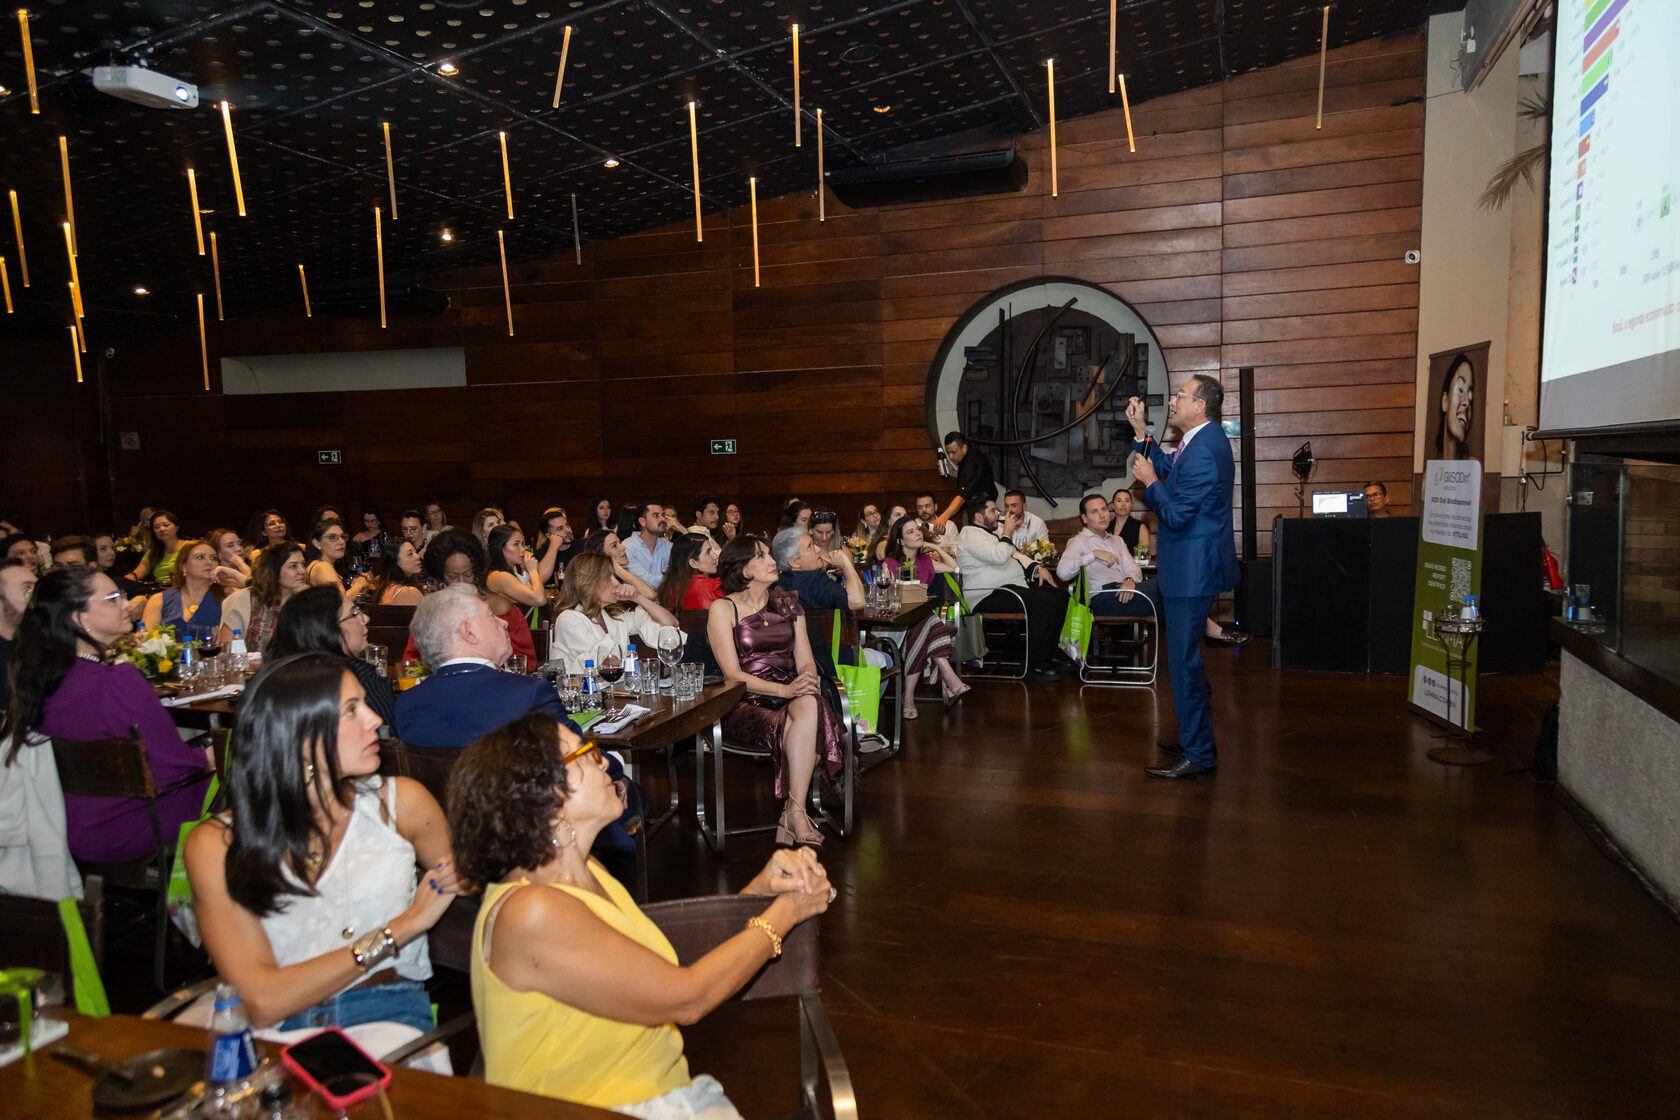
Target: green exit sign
pixel 330 457
pixel 723 447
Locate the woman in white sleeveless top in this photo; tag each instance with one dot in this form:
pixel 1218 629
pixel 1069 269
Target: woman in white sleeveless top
pixel 306 893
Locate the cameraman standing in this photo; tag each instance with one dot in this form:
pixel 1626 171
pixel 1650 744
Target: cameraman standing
pixel 975 485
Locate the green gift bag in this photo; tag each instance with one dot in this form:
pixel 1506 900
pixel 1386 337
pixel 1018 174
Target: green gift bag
pixel 861 682
pixel 178 894
pixel 88 988
pixel 1076 624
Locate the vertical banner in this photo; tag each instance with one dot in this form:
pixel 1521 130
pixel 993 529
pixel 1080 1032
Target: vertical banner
pixel 1449 567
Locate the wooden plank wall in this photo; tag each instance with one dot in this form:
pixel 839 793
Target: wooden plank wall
pixel 1244 235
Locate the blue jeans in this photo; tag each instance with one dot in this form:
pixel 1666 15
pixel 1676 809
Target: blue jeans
pixel 405 1002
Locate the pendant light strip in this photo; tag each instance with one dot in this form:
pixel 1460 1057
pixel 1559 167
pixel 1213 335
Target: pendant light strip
pixel 390 168
pixel 1126 106
pixel 17 230
pixel 560 74
pixel 29 66
pixel 507 175
pixel 1050 82
pixel 1323 58
pixel 797 142
pixel 752 187
pixel 507 291
pixel 303 279
pixel 379 249
pixel 233 157
pixel 203 343
pixel 694 150
pixel 216 273
pixel 198 215
pixel 69 202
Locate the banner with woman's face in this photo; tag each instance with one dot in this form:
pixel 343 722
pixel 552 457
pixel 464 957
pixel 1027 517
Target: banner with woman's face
pixel 1455 402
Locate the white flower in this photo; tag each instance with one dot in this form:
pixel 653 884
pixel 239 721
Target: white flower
pixel 154 646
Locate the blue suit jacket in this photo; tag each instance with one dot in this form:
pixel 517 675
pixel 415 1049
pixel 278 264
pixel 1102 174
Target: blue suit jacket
pixel 460 704
pixel 1195 549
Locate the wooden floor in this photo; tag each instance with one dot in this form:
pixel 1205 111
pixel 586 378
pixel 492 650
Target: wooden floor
pixel 1335 927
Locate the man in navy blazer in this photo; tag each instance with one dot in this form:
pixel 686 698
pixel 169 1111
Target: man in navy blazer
pixel 1190 493
pixel 467 696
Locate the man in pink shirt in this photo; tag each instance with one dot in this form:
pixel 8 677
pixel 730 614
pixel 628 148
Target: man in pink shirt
pixel 1111 573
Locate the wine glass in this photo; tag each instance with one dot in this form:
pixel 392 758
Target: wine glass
pixel 670 648
pixel 609 666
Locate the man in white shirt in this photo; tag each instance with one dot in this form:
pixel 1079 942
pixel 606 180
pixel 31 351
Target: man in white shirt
pixel 1110 571
pixel 647 552
pixel 1030 527
pixel 995 581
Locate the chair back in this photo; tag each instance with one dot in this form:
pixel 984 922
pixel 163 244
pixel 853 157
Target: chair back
pixel 32 934
pixel 449 942
pixel 699 648
pixel 105 767
pixel 392 614
pixel 393 638
pixel 539 645
pixel 696 926
pixel 430 766
pixel 819 625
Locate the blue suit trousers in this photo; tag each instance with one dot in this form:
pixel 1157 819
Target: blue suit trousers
pixel 1186 623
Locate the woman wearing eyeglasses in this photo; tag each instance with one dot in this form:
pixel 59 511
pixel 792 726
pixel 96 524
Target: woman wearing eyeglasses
pixel 61 687
pixel 329 543
pixel 578 994
pixel 325 620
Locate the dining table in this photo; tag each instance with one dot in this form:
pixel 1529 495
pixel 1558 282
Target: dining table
pixel 39 1086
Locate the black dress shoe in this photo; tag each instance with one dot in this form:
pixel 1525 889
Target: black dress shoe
pixel 1050 672
pixel 1170 748
pixel 1228 637
pixel 1184 768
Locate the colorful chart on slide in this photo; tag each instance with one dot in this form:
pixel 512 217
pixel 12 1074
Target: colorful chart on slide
pixel 1613 267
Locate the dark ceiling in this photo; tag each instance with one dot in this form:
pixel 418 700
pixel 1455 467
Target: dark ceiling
pixel 310 82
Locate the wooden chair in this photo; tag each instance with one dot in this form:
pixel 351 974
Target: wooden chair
pixel 120 768
pixel 696 926
pixel 1125 650
pixel 430 766
pixel 32 934
pixel 389 615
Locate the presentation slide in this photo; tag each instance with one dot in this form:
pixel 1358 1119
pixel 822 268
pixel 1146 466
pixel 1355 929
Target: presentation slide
pixel 1611 353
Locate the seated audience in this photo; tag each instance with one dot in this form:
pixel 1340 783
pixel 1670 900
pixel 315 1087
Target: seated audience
pixel 277 575
pixel 995 582
pixel 61 687
pixel 325 620
pixel 691 582
pixel 730 527
pixel 193 602
pixel 1030 526
pixel 397 577
pixel 17 585
pixel 329 545
pixel 577 994
pixel 73 552
pixel 370 542
pixel 796 514
pixel 612 546
pixel 158 562
pixel 803 569
pixel 757 633
pixel 454 557
pixel 232 569
pixel 1111 571
pixel 105 551
pixel 555 545
pixel 603 613
pixel 1130 529
pixel 485 520
pixel 825 530
pixel 265 528
pixel 305 891
pixel 878 543
pixel 927 507
pixel 646 552
pixel 929 643
pixel 705 515
pixel 436 521
pixel 512 572
pixel 869 520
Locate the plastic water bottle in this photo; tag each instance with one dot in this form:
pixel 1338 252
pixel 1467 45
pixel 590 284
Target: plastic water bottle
pixel 632 662
pixel 1469 612
pixel 238 655
pixel 591 684
pixel 232 1058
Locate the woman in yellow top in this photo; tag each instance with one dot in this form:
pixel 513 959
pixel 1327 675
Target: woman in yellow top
pixel 578 995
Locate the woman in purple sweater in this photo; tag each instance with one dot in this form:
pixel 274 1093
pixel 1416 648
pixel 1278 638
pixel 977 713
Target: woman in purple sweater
pixel 62 688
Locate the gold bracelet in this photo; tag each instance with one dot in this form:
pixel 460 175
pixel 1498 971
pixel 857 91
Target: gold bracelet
pixel 770 932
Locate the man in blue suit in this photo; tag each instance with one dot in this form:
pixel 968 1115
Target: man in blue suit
pixel 1190 493
pixel 468 696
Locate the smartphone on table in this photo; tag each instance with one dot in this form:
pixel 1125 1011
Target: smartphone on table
pixel 334 1068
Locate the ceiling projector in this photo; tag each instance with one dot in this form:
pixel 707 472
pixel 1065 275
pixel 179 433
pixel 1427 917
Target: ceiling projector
pixel 145 87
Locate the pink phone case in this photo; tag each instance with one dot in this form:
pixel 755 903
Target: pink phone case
pixel 298 1071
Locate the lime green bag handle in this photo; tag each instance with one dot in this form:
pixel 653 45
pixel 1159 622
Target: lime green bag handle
pixel 956 589
pixel 84 972
pixel 19 983
pixel 834 640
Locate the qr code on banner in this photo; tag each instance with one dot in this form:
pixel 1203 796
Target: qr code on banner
pixel 1458 585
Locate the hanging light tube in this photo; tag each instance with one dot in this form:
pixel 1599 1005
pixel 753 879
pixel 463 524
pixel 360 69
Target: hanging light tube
pixel 507 292
pixel 390 168
pixel 822 207
pixel 69 203
pixel 1323 52
pixel 1050 81
pixel 198 217
pixel 507 176
pixel 379 248
pixel 6 285
pixel 577 237
pixel 29 66
pixel 560 74
pixel 76 349
pixel 233 157
pixel 17 230
pixel 216 272
pixel 694 149
pixel 796 122
pixel 75 279
pixel 1113 31
pixel 752 186
pixel 1126 106
pixel 203 343
pixel 303 279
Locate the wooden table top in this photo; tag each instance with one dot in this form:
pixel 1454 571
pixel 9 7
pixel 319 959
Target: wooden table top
pixel 902 619
pixel 39 1086
pixel 672 721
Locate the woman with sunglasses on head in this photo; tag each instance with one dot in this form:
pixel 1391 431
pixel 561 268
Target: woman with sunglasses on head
pixel 325 620
pixel 305 891
pixel 61 687
pixel 578 994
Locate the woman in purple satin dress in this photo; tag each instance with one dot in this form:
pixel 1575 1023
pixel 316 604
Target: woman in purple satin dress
pixel 758 637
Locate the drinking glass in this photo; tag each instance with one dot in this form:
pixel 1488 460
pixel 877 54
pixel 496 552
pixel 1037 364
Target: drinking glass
pixel 376 655
pixel 571 692
pixel 516 663
pixel 609 666
pixel 688 679
pixel 670 648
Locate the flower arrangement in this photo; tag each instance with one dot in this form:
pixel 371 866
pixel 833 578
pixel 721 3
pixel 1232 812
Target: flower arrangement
pixel 154 651
pixel 1041 550
pixel 859 547
pixel 126 544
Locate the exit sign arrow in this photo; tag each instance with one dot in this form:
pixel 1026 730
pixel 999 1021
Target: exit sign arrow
pixel 723 447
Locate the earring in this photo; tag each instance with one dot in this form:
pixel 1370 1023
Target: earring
pixel 309 771
pixel 555 840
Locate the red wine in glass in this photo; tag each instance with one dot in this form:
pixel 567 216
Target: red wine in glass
pixel 611 670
